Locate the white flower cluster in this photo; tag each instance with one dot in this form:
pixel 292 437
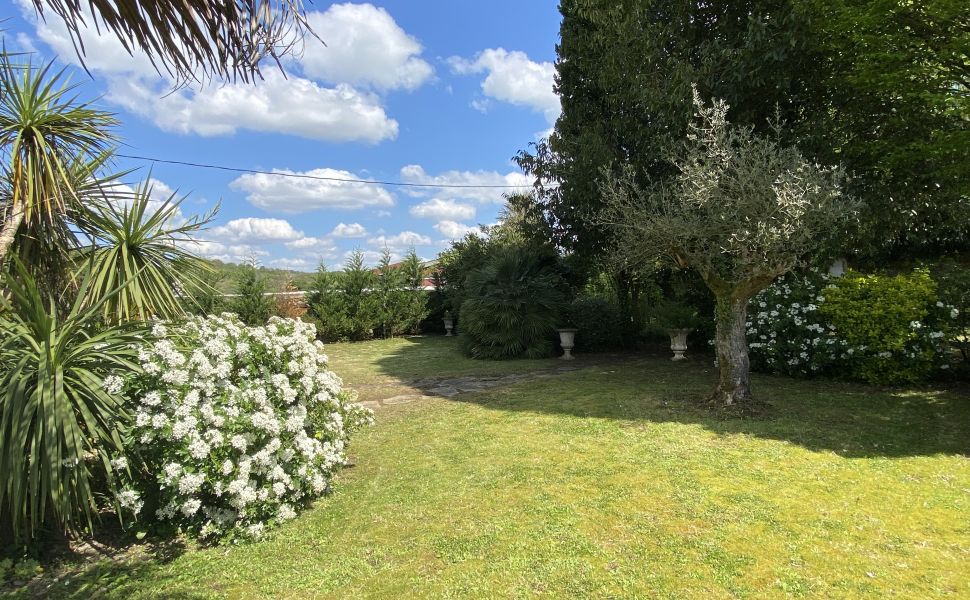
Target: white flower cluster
pixel 787 334
pixel 239 425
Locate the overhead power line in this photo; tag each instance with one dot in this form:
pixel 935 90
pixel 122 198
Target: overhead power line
pixel 320 177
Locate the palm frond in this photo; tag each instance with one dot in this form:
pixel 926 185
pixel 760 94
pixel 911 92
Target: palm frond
pixel 511 308
pixel 192 40
pixel 54 410
pixel 50 138
pixel 142 249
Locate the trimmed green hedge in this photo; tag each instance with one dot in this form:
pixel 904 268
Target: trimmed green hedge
pixel 884 329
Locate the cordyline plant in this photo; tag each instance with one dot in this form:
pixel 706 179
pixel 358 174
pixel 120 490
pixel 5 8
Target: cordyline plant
pixel 53 143
pixel 61 419
pixel 741 210
pixel 142 252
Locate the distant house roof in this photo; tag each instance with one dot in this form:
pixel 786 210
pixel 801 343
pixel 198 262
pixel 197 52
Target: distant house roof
pixel 427 283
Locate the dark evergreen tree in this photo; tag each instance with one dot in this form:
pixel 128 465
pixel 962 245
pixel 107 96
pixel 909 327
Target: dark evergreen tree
pixel 360 311
pixel 880 87
pixel 251 303
pixel 414 308
pixel 325 305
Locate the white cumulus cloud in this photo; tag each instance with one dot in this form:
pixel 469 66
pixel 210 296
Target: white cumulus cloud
pixel 401 241
pixel 511 182
pixel 309 243
pixel 353 230
pixel 293 106
pixel 453 230
pixel 288 105
pixel 297 264
pixel 437 208
pixel 253 229
pixel 296 195
pixel 512 77
pixel 231 253
pixel 364 46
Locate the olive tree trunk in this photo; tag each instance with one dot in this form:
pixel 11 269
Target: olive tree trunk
pixel 734 383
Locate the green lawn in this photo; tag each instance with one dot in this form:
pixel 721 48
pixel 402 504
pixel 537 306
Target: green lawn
pixel 610 483
pixel 417 357
pixel 384 368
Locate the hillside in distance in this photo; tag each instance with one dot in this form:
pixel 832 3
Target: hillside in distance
pixel 225 277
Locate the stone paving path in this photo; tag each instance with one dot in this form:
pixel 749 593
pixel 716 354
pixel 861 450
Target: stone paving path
pixel 448 388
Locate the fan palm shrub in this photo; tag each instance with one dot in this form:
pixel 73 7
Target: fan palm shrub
pixel 61 422
pixel 512 307
pixel 142 253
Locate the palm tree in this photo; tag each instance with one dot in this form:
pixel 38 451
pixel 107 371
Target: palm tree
pixel 142 247
pixel 192 39
pixel 60 421
pixel 53 145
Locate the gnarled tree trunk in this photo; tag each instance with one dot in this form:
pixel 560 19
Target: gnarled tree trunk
pixel 734 384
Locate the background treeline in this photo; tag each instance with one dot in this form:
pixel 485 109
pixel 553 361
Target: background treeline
pixel 360 303
pixel 225 276
pixel 357 303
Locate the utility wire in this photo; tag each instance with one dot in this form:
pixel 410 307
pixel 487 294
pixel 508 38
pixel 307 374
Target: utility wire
pixel 320 177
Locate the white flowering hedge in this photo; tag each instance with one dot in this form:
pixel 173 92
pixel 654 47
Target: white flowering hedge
pixel 786 332
pixel 876 328
pixel 236 427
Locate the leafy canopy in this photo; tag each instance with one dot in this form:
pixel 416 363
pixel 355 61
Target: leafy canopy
pixel 741 210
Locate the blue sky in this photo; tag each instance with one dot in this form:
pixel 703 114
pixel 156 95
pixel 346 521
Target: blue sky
pixel 437 92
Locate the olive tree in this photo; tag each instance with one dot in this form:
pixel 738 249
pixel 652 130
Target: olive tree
pixel 741 209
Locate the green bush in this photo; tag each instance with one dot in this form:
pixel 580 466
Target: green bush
pixel 400 301
pixel 877 328
pixel 599 322
pixel 251 303
pixel 673 314
pixel 22 570
pixel 342 305
pixel 511 308
pixel 885 318
pixel 358 303
pixel 953 282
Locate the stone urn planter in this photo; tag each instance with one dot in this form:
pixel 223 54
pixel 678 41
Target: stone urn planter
pixel 449 324
pixel 678 342
pixel 567 339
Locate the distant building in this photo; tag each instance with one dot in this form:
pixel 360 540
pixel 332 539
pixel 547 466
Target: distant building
pixel 427 283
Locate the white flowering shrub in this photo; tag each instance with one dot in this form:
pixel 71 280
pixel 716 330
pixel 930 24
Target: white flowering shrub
pixel 786 332
pixel 875 328
pixel 236 427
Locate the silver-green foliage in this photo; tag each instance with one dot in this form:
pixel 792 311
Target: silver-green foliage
pixel 742 210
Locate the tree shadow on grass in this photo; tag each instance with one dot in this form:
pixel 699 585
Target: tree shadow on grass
pixel 82 575
pixel 852 420
pixel 429 358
